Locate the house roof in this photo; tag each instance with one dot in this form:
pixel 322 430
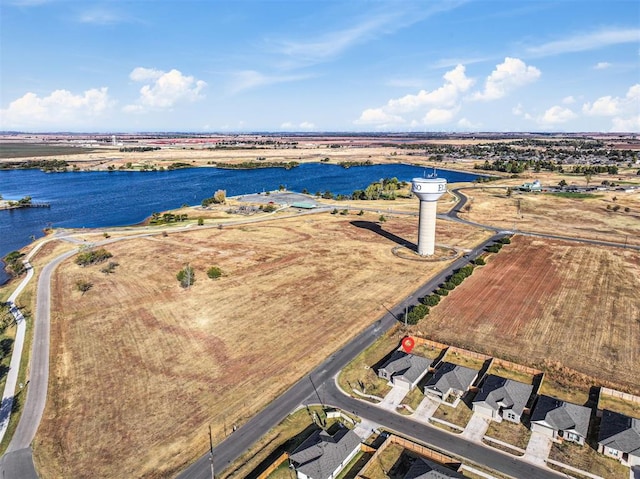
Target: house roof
pixel 407 366
pixel 620 432
pixel 321 454
pixel 561 416
pixel 451 376
pixel 425 469
pixel 497 392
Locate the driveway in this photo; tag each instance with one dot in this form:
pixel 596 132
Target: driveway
pixel 425 410
pixel 476 427
pixel 393 398
pixel 538 449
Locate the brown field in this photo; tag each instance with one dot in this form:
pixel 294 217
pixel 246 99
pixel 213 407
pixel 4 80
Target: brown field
pixel 551 304
pixel 141 367
pixel 552 214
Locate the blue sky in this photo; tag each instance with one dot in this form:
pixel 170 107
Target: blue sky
pixel 227 66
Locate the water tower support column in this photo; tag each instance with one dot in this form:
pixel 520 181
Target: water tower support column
pixel 427 228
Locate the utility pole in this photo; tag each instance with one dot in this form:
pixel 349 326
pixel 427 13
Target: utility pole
pixel 316 391
pixel 213 476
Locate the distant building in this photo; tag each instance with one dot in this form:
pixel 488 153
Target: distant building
pixel 561 420
pixel 501 398
pixel 534 186
pixel 620 437
pixel 404 369
pixel 323 456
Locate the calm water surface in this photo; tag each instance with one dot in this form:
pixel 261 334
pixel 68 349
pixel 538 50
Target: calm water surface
pixel 99 198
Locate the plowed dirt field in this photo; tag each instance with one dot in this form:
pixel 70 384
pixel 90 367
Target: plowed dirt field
pixel 564 303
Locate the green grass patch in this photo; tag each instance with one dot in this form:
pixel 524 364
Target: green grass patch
pixel 413 398
pixel 459 416
pixel 575 196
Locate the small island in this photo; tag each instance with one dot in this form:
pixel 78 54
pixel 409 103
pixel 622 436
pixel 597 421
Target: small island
pixel 25 202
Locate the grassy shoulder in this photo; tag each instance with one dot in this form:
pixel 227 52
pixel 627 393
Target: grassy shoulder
pixel 588 459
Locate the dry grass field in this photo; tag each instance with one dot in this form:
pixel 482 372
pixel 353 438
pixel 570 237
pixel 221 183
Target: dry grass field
pixel 554 214
pixel 565 304
pixel 141 367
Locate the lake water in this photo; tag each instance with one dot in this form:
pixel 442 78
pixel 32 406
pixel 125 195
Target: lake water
pixel 100 198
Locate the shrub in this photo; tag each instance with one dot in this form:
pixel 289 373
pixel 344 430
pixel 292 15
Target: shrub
pixel 93 256
pixel 200 221
pixel 83 285
pixel 494 248
pixel 431 300
pixel 441 292
pixel 335 211
pixel 416 313
pixel 110 268
pixel 480 261
pixel 505 240
pixel 448 285
pixel 344 212
pixel 214 272
pixel 269 208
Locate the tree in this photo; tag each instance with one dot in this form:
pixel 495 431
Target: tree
pixel 382 219
pixel 220 196
pixel 186 276
pixel 214 272
pixel 200 221
pixel 562 183
pixel 110 268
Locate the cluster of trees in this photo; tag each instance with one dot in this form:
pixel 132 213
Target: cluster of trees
pixel 252 165
pixel 270 208
pixel 21 203
pixel 14 264
pixel 6 316
pixel 44 165
pixel 177 165
pixel 595 169
pixel 92 256
pixel 349 164
pixel 219 197
pixel 385 189
pixel 494 248
pixel 131 149
pixel 158 219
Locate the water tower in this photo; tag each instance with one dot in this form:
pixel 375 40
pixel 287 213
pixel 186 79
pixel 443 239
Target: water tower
pixel 428 190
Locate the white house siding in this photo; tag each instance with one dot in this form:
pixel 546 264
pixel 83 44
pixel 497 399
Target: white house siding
pixel 485 410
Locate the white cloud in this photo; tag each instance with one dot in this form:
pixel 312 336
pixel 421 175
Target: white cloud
pixel 517 110
pixel 508 75
pixel 602 65
pixel 247 79
pixel 624 125
pixel 431 107
pixel 557 114
pixel 287 125
pixel 588 41
pixel 165 90
pixel 568 100
pixel 290 126
pixel 99 16
pixel 307 125
pixel 377 116
pixel 437 116
pixel 625 111
pixel 61 107
pixel 603 106
pixel 466 124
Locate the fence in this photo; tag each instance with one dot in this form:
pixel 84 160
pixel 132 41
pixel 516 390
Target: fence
pixel 274 466
pixel 516 367
pixel 411 446
pixel 619 395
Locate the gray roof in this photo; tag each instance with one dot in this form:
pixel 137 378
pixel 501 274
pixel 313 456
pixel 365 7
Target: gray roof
pixel 451 376
pixel 499 392
pixel 620 432
pixel 561 416
pixel 407 366
pixel 425 469
pixel 321 454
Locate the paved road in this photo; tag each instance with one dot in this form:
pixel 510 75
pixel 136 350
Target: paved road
pixel 239 441
pixel 437 438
